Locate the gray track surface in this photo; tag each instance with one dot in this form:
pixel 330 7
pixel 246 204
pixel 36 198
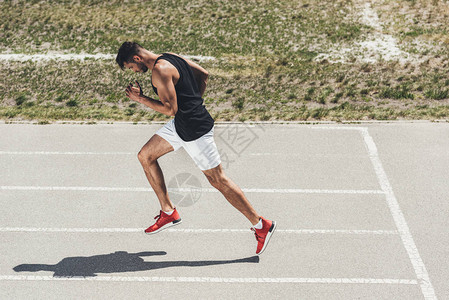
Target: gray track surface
pixel 324 168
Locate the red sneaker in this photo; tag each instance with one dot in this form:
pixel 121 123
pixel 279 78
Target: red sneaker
pixel 263 235
pixel 164 221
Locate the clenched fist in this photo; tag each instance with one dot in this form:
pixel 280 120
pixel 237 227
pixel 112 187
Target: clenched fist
pixel 134 92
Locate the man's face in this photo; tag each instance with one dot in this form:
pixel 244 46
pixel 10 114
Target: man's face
pixel 136 66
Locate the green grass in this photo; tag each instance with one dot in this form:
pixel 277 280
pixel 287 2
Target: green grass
pixel 397 92
pixel 94 90
pixel 437 93
pixel 411 19
pixel 265 67
pixel 201 26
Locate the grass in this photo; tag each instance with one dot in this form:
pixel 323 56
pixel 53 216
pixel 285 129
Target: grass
pixel 437 94
pixel 397 92
pixel 94 90
pixel 207 27
pixel 266 66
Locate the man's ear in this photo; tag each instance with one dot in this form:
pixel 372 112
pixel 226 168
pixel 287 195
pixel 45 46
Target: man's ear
pixel 137 58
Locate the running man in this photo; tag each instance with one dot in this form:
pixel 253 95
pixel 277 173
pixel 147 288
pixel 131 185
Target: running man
pixel 180 85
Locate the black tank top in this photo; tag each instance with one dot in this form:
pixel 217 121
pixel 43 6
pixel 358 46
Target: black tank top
pixel 192 120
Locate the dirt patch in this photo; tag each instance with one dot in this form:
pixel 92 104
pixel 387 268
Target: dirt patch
pixel 377 46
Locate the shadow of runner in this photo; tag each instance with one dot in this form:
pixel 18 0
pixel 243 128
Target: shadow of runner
pixel 120 261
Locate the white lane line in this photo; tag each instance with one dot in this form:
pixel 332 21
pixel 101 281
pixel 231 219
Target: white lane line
pixel 49 56
pixel 62 153
pixel 193 230
pixel 74 188
pixel 337 128
pixel 212 279
pixel 311 191
pixel 126 153
pixel 135 153
pixel 198 57
pixel 199 189
pixel 73 56
pixel 398 216
pixel 338 231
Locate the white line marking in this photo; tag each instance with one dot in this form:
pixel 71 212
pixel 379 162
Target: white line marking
pixel 337 128
pixel 312 191
pixel 62 153
pixel 192 230
pixel 74 188
pixel 72 56
pixel 58 56
pixel 218 125
pixel 401 224
pixel 198 57
pixel 205 190
pixel 135 153
pixel 338 231
pixel 212 279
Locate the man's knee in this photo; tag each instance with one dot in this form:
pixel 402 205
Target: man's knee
pixel 146 155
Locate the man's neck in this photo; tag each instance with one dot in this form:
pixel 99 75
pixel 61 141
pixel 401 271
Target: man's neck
pixel 149 58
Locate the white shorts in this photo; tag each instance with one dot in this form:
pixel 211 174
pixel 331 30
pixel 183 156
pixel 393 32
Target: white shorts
pixel 203 150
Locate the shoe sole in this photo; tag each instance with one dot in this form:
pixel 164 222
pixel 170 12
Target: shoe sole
pixel 176 222
pixel 267 239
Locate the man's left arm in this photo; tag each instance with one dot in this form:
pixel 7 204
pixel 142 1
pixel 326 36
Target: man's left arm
pixel 201 75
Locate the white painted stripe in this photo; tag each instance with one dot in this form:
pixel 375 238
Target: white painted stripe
pixel 193 230
pixel 101 153
pixel 72 56
pixel 339 231
pixel 49 56
pixel 198 57
pixel 398 217
pixel 62 153
pixel 227 125
pixel 337 128
pixel 212 279
pixel 74 188
pixel 312 191
pixel 205 190
pixel 135 153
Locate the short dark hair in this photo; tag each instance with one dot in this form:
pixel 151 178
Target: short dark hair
pixel 126 53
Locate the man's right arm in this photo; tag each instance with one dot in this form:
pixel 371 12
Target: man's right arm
pixel 167 104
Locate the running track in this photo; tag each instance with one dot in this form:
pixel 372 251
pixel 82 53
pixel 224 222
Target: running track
pixel 362 213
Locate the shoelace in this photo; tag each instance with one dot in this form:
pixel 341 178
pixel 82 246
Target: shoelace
pixel 258 237
pixel 158 218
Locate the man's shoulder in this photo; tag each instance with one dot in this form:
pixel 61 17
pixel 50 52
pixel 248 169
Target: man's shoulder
pixel 174 54
pixel 164 71
pixel 164 68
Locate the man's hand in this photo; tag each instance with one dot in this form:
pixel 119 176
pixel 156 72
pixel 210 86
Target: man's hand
pixel 134 93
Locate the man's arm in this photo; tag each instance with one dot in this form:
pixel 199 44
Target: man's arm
pixel 164 107
pixel 200 74
pixel 163 78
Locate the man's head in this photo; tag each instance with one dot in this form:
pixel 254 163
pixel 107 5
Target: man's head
pixel 130 57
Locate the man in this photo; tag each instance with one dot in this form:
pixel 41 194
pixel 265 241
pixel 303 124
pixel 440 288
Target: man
pixel 180 85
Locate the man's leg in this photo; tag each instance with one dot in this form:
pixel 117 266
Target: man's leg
pixel 232 193
pixel 263 228
pixel 148 155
